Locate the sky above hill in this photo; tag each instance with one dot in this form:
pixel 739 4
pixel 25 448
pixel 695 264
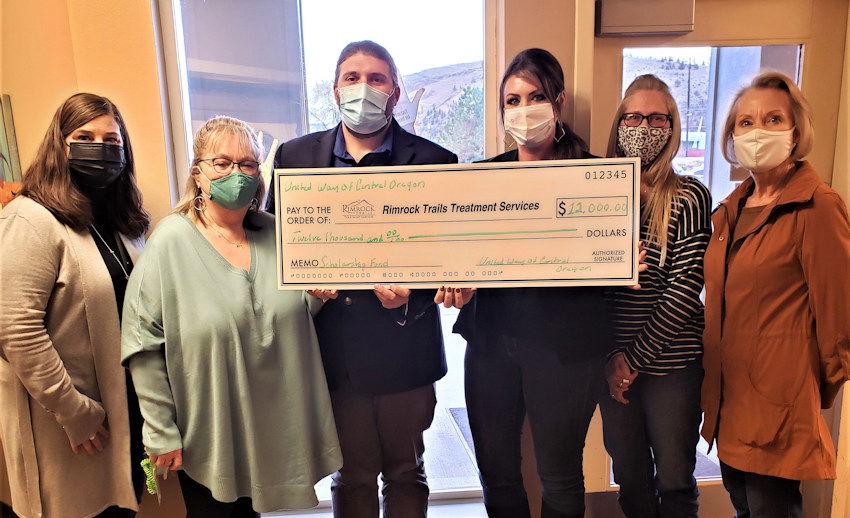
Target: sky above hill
pixel 419 35
pixel 697 55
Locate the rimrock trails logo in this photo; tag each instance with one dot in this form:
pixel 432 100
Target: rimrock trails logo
pixel 358 209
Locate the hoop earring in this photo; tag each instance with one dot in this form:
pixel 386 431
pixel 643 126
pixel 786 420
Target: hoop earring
pixel 559 126
pixel 199 203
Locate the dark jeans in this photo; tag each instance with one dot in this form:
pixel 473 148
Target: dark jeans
pixel 382 434
pixel 652 442
pixel 762 496
pixel 201 504
pixel 504 383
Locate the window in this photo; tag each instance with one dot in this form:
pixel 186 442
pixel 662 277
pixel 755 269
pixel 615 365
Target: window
pixel 442 81
pixel 246 63
pixel 272 64
pixel 703 81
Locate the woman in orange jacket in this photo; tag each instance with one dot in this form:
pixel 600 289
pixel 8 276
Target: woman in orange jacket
pixel 777 270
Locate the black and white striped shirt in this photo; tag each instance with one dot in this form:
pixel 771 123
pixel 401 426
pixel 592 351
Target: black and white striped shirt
pixel 659 327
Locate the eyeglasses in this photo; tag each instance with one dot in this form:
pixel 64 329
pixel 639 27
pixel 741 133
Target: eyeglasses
pixel 225 165
pixel 656 120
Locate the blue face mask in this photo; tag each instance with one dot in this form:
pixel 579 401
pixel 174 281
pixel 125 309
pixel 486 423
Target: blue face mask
pixel 234 190
pixel 363 108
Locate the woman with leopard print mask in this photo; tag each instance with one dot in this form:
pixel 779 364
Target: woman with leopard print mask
pixel 651 419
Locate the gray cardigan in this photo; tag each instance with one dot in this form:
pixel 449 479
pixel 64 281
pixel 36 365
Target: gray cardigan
pixel 60 371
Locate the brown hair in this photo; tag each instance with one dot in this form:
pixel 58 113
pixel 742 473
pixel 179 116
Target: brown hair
pixel 658 175
pixel 804 131
pixel 48 179
pixel 543 68
pixel 370 48
pixel 205 140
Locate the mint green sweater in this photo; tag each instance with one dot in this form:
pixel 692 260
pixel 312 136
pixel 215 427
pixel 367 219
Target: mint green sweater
pixel 228 369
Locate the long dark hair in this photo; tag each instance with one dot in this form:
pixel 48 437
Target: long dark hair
pixel 542 67
pixel 48 179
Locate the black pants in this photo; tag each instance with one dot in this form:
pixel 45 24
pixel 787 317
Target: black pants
pixel 762 496
pixel 6 511
pixel 201 504
pixel 137 453
pixel 116 512
pixel 137 447
pixel 504 382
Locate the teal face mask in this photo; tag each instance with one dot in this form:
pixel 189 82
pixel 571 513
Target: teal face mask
pixel 233 191
pixel 362 108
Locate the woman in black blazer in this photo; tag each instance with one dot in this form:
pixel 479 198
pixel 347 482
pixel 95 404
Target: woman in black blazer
pixel 533 351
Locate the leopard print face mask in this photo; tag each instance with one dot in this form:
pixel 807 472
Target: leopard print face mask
pixel 642 142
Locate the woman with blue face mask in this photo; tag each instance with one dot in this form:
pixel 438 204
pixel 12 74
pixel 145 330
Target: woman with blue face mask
pixel 227 367
pixel 69 241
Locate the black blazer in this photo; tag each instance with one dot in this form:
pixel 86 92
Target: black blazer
pixel 362 343
pixel 576 321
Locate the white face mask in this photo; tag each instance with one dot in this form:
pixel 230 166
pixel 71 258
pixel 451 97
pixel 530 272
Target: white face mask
pixel 530 125
pixel 761 150
pixel 363 108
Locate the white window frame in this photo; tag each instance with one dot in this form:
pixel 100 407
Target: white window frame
pixel 173 58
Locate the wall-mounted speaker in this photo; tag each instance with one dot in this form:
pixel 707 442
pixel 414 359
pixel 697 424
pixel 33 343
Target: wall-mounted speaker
pixel 644 17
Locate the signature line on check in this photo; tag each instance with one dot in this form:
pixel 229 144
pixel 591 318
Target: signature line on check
pixel 494 233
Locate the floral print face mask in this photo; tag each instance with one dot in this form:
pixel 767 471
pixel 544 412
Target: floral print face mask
pixel 643 142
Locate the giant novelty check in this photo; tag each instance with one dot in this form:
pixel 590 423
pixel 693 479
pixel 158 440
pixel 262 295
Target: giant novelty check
pixel 548 223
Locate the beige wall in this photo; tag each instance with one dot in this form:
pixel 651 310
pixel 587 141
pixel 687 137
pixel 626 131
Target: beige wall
pixel 105 47
pixel 841 181
pixel 841 496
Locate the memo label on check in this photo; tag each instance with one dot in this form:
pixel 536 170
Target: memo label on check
pixel 552 223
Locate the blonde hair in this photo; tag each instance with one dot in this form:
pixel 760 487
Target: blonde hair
pixel 659 175
pixel 804 131
pixel 210 134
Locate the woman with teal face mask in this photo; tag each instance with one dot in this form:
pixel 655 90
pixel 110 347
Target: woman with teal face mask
pixel 228 370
